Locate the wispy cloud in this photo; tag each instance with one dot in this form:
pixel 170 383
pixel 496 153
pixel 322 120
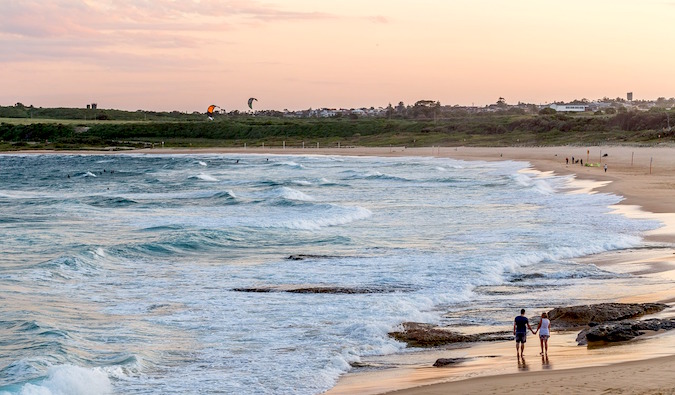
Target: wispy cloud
pixel 92 31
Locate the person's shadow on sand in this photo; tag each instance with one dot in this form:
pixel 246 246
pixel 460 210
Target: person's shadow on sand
pixel 522 365
pixel 545 363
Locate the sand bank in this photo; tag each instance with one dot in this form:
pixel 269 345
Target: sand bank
pixel 645 177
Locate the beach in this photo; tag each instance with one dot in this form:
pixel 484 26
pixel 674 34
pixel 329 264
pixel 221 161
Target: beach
pixel 645 177
pixel 643 367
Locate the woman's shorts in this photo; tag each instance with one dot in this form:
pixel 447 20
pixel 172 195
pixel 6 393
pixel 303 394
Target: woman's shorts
pixel 544 337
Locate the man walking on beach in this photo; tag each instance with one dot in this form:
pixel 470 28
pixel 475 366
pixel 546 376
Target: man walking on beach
pixel 520 326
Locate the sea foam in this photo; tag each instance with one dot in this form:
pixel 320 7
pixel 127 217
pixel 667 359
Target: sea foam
pixel 69 380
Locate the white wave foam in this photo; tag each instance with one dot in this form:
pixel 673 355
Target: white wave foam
pixel 292 164
pixel 294 194
pixel 326 220
pixel 202 163
pixel 206 177
pixel 540 185
pixel 70 380
pixel 89 174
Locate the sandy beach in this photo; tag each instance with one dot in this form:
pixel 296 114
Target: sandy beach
pixel 645 177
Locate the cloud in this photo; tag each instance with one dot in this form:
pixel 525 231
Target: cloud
pixel 378 19
pixel 90 30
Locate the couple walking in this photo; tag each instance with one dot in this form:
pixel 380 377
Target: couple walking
pixel 520 326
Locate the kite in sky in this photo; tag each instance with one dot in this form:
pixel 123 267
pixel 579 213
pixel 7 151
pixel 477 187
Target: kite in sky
pixel 210 110
pixel 250 102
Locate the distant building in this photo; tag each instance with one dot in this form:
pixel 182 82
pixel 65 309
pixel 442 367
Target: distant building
pixel 569 107
pixel 93 106
pixel 629 96
pixel 88 106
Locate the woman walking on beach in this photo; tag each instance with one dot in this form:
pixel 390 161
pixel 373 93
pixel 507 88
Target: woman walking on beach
pixel 544 330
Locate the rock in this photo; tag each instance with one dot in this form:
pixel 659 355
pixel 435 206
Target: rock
pixel 623 330
pixel 302 257
pixel 440 362
pixel 321 290
pixel 427 335
pixel 417 334
pixel 578 316
pixel 615 332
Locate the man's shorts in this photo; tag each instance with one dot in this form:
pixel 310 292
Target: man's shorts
pixel 521 337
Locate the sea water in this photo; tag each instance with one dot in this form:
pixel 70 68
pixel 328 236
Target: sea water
pixel 130 274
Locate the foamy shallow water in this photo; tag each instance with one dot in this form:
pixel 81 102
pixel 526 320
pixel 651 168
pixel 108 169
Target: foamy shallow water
pixel 121 273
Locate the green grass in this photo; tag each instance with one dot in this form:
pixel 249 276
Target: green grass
pixel 470 130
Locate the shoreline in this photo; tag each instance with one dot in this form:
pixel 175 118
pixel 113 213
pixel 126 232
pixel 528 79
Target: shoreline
pixel 644 177
pixel 610 368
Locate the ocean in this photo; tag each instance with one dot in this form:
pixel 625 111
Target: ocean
pixel 272 274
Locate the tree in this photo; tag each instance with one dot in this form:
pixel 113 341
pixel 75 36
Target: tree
pixel 400 109
pixel 389 111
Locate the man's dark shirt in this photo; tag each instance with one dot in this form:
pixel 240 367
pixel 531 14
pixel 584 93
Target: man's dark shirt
pixel 521 324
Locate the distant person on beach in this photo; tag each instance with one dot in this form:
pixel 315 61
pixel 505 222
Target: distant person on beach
pixel 582 162
pixel 567 161
pixel 544 330
pixel 520 326
pixel 605 167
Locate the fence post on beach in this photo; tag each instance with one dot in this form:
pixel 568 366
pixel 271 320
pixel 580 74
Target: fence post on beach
pixel 263 145
pixel 631 158
pixel 244 145
pixel 317 145
pixel 303 145
pixel 284 144
pixel 650 164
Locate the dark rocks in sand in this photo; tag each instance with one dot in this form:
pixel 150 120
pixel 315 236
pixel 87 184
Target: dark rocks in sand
pixel 319 290
pixel 337 290
pixel 417 334
pixel 623 330
pixel 441 362
pixel 605 322
pixel 579 316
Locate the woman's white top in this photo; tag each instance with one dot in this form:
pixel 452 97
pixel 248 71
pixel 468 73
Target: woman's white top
pixel 544 326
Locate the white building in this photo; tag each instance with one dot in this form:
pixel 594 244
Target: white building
pixel 569 107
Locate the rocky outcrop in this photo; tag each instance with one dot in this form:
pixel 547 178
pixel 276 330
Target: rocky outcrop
pixel 580 316
pixel 604 322
pixel 622 330
pixel 321 290
pixel 302 257
pixel 440 362
pixel 417 334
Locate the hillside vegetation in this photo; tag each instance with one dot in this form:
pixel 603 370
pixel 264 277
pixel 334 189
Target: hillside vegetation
pixel 119 130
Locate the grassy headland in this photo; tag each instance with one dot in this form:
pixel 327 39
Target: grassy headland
pixel 115 129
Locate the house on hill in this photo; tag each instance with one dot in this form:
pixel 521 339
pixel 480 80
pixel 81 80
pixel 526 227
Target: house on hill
pixel 570 107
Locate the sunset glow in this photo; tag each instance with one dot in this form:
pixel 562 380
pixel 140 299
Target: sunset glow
pixel 184 55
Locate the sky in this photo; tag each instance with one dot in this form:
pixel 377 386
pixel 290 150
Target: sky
pixel 183 55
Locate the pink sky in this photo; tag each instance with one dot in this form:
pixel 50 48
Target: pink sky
pixel 294 54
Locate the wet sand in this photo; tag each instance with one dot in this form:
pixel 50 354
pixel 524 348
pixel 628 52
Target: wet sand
pixel 645 177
